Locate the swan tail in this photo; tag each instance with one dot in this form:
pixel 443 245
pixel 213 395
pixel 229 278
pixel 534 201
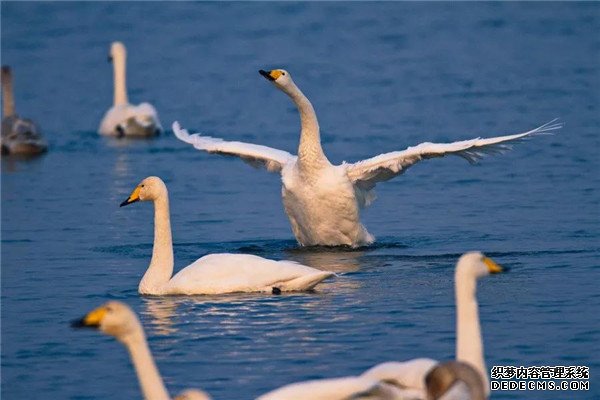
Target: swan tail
pixel 305 282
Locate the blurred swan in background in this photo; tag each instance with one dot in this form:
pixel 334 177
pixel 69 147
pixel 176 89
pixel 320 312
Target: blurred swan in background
pixel 117 319
pixel 323 200
pixel 214 273
pixel 19 135
pixel 410 375
pixel 125 119
pixel 422 378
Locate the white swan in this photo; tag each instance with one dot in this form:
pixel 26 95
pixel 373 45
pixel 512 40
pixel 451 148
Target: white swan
pixel 323 200
pixel 453 380
pixel 19 135
pixel 124 119
pixel 409 379
pixel 117 319
pixel 469 344
pixel 215 273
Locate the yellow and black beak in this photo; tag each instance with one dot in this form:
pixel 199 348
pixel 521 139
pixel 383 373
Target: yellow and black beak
pixel 135 196
pixel 493 268
pixel 91 320
pixel 270 75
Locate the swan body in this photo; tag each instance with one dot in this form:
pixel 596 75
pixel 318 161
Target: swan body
pixel 323 210
pixel 214 273
pixel 322 200
pixel 231 273
pixel 421 378
pixel 407 375
pixel 469 343
pixel 20 136
pixel 124 119
pixel 117 319
pixel 352 387
pixel 452 380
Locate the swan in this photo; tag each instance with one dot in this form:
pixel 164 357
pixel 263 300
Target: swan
pixel 416 379
pixel 124 119
pixel 452 380
pixel 469 343
pixel 117 319
pixel 214 273
pixel 322 200
pixel 19 135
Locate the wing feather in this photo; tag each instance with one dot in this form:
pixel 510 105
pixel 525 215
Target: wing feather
pixel 365 174
pixel 256 155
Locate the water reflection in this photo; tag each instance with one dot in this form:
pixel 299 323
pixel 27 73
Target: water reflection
pixel 161 312
pixel 327 259
pixel 12 162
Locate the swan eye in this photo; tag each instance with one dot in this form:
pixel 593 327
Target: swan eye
pixel 141 185
pixel 283 73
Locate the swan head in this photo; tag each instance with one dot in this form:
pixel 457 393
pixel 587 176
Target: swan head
pixel 117 51
pixel 477 265
pixel 279 77
pixel 192 394
pixel 113 318
pixel 444 376
pixel 149 189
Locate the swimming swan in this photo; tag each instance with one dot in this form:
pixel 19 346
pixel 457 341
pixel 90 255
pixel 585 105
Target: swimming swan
pixel 125 119
pixel 451 380
pixel 214 273
pixel 410 375
pixel 418 378
pixel 19 135
pixel 117 319
pixel 323 200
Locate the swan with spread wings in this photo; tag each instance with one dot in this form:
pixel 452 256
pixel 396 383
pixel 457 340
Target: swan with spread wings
pixel 322 200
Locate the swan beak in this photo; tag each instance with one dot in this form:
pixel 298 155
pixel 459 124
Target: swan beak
pixel 135 196
pixel 91 320
pixel 493 268
pixel 270 75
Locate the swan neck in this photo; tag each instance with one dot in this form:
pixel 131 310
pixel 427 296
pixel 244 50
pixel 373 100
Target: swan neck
pixel 310 151
pixel 8 101
pixel 151 383
pixel 469 344
pixel 120 84
pixel 161 266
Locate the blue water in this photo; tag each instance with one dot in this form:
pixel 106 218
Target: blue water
pixel 382 76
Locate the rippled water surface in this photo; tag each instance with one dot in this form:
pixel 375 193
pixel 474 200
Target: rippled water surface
pixel 381 76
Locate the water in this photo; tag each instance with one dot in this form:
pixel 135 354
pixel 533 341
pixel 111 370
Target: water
pixel 381 76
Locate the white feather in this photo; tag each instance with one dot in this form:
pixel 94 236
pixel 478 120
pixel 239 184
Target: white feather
pixel 272 159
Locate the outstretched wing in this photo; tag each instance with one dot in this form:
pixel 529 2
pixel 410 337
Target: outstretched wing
pixel 256 155
pixel 365 174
